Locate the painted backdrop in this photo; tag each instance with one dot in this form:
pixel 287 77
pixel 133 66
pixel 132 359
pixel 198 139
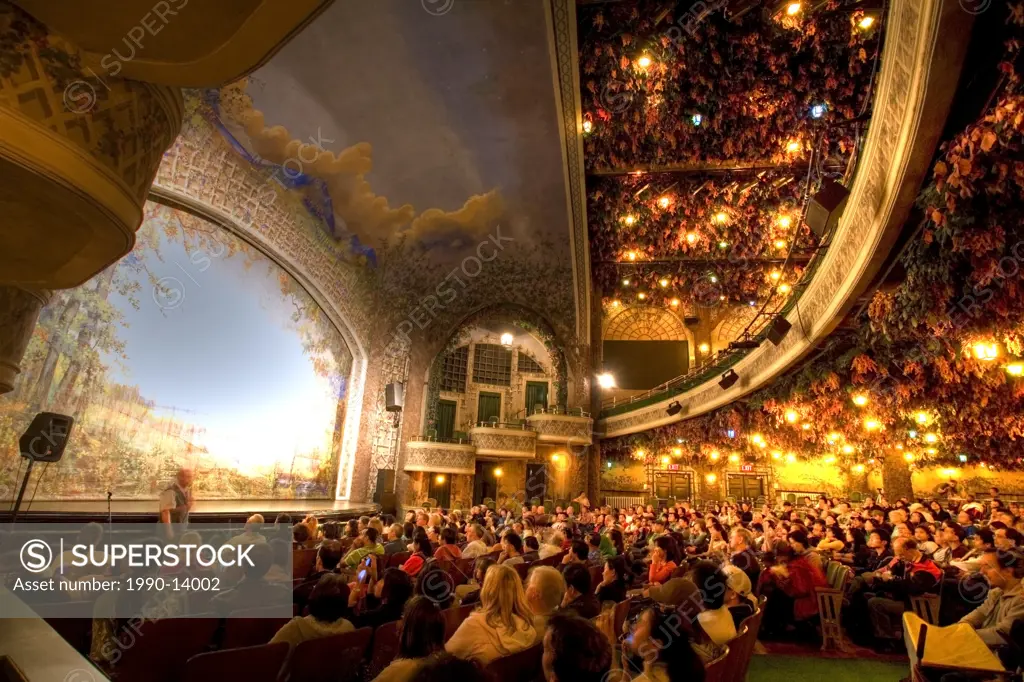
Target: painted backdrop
pixel 195 349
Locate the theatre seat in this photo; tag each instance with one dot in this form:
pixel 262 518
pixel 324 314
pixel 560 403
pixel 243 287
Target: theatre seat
pixel 160 648
pixel 331 659
pixel 250 627
pixel 524 666
pixel 252 664
pixel 384 648
pixel 303 561
pixel 453 618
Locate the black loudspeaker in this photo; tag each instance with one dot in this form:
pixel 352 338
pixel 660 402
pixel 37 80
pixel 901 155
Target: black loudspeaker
pixel 46 437
pixel 779 328
pixel 385 484
pixel 691 321
pixel 728 379
pixel 388 504
pixel 674 408
pixel 825 207
pixel 394 396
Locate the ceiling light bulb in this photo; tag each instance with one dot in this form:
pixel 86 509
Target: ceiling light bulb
pixel 986 351
pixel 867 22
pixel 674 302
pixel 790 458
pixel 930 438
pixel 872 424
pixel 506 339
pixel 714 455
pixel 704 348
pixel 847 449
pixel 625 282
pixel 606 380
pixel 615 303
pixel 1015 369
pixel 629 220
pixel 805 427
pixel 723 244
pixel 830 459
pixel 631 255
pixel 714 279
pixel 691 237
pixel 793 146
pixel 641 295
pixel 663 282
pixel 860 400
pixel 780 243
pixel 776 454
pixel 664 202
pixel 785 221
pixel 858 468
pixel 792 416
pixel 587 126
pixel 711 478
pixel 644 62
pixel 734 458
pixel 785 288
pixel 721 217
pixel 793 8
pixel 775 275
pixel 921 417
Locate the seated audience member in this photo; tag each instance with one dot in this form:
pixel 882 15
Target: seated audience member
pixel 328 611
pixel 421 552
pixel 578 553
pixel 575 651
pixel 545 589
pixel 615 581
pixel 1006 539
pixel 662 565
pixel 913 574
pixel 552 547
pixel 300 536
pixel 250 535
pixel 448 551
pixel 1004 603
pixel 253 590
pixel 421 636
pixel 470 592
pixel 743 557
pixel 279 571
pixel 396 543
pixel 436 585
pixel 362 548
pixel 511 549
pixel 831 542
pixel 327 559
pixel 739 598
pixel 925 543
pixel 532 552
pixel 579 593
pixel 502 625
pixel 792 599
pixel 445 667
pixel 475 546
pixel 984 540
pixel 283 521
pixel 384 601
pixel 716 619
pixel 665 649
pixel 950 539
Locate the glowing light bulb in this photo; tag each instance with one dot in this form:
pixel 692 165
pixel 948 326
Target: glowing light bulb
pixel 587 126
pixel 714 455
pixel 664 202
pixel 734 458
pixel 792 416
pixel 921 417
pixel 847 449
pixel 644 62
pixel 930 438
pixel 780 243
pixel 691 237
pixel 986 352
pixel 872 424
pixel 785 288
pixel 834 436
pixel 723 244
pixel 440 478
pixel 704 348
pixel 830 459
pixel 696 119
pixel 664 461
pixel 860 400
pixel 858 468
pixel 507 339
pixel 713 279
pixel 793 8
pixel 790 458
pixel 775 275
pixel 625 282
pixel 615 303
pixel 711 478
pixel 785 221
pixel 674 302
pixel 793 146
pixel 818 110
pixel 909 456
pixel 1015 369
pixel 641 295
pixel 606 380
pixel 678 452
pixel 631 255
pixel 498 472
pixel 629 220
pixel 805 427
pixel 867 22
pixel 776 454
pixel 721 217
pixel 663 282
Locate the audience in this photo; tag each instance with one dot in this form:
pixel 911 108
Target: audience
pixel 328 611
pixel 579 594
pixel 421 636
pixel 545 589
pixel 663 644
pixel 615 580
pixel 253 590
pixel 575 651
pixel 1004 603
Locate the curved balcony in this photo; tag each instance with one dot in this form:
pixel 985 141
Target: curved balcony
pixel 921 62
pixel 440 457
pixel 557 427
pixel 495 440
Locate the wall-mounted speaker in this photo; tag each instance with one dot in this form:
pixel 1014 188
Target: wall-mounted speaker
pixel 691 321
pixel 394 396
pixel 779 328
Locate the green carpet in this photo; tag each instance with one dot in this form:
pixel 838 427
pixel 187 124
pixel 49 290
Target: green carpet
pixel 774 668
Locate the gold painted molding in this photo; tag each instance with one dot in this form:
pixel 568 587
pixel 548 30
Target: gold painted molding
pixel 924 48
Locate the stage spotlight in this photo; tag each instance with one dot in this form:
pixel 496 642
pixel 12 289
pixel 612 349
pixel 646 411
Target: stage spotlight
pixel 728 379
pixel 779 328
pixel 744 345
pixel 826 207
pixel 674 408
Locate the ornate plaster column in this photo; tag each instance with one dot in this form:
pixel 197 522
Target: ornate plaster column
pixel 19 310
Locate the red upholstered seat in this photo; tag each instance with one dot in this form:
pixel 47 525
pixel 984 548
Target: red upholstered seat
pixel 337 658
pixel 252 664
pixel 160 648
pixel 524 666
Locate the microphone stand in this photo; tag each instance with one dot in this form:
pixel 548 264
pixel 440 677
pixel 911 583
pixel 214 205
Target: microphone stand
pixel 110 517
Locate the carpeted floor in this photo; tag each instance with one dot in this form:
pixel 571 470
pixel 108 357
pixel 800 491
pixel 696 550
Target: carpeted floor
pixel 782 668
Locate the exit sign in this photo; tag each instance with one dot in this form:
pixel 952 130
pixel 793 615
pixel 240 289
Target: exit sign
pixel 746 467
pixel 673 467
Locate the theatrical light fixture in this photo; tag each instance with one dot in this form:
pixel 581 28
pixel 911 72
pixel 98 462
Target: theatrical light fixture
pixel 587 126
pixel 743 345
pixel 696 119
pixel 986 352
pixel 826 207
pixel 728 379
pixel 674 408
pixel 606 380
pixel 506 339
pixel 860 400
pixel 778 329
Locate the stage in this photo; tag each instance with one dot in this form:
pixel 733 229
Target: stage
pixel 209 511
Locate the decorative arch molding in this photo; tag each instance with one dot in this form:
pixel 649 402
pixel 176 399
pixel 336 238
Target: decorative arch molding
pixel 646 323
pixel 224 199
pixel 732 325
pixel 916 85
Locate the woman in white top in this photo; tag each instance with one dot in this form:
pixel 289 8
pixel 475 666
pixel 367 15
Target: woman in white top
pixel 421 636
pixel 503 624
pixel 328 606
pixel 715 620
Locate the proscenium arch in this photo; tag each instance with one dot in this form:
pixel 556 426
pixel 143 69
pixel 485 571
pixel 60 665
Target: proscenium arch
pixel 360 360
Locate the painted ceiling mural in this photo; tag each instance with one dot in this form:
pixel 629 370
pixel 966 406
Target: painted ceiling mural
pixel 427 146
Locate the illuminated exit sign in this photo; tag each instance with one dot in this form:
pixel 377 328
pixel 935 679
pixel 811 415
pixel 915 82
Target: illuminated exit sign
pixel 673 467
pixel 746 467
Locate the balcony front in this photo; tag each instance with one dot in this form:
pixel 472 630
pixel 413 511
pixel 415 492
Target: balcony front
pixel 562 427
pixel 440 456
pixel 497 440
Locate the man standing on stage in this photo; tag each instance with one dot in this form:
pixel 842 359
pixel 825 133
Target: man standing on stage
pixel 176 499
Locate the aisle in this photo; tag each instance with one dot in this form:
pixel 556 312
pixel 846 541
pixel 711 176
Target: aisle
pixel 775 668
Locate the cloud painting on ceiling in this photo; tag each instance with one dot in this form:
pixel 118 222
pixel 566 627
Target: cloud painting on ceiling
pixel 426 127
